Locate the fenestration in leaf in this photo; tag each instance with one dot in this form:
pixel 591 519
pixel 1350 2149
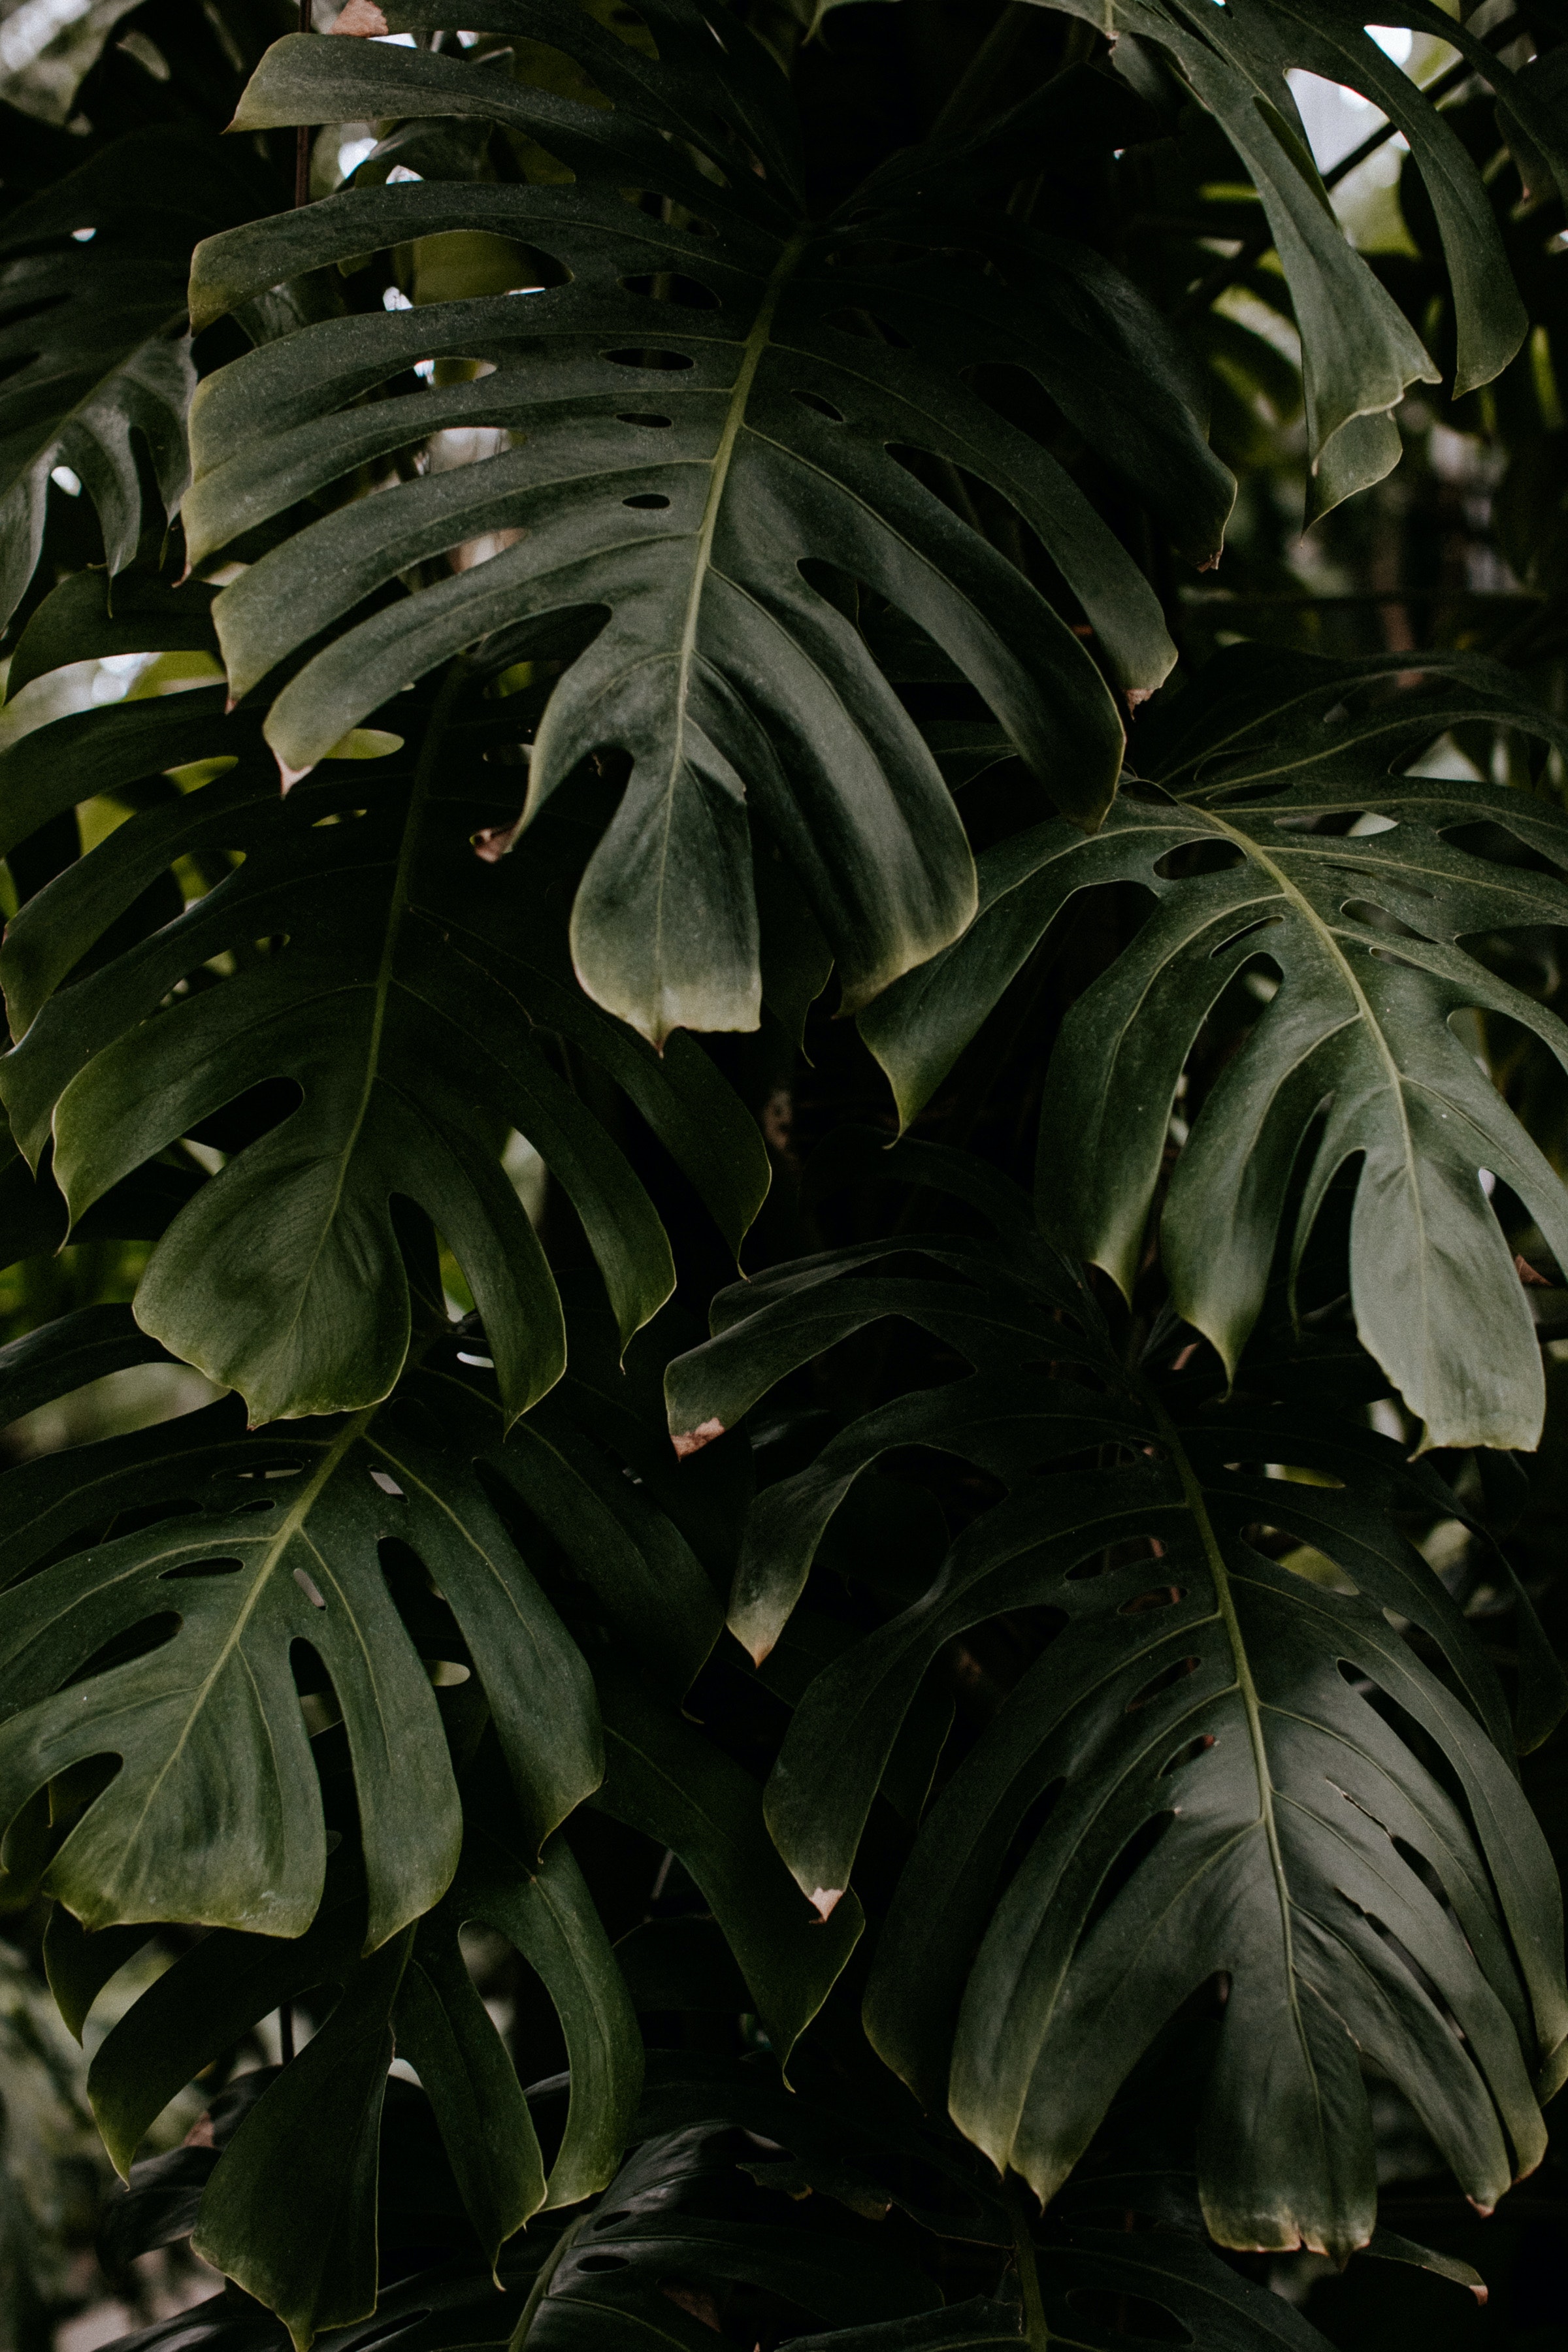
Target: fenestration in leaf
pixel 214 1815
pixel 396 981
pixel 1213 1740
pixel 675 463
pixel 1277 834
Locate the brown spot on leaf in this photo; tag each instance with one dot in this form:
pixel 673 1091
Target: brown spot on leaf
pixel 692 1440
pixel 362 19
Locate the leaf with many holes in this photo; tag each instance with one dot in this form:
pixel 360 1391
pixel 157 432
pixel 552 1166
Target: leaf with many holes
pixel 1201 1786
pixel 94 355
pixel 188 1628
pixel 352 948
pixel 675 463
pixel 1277 834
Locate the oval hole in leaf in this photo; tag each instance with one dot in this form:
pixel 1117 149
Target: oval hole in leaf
pixel 814 401
pixel 1165 1597
pixel 1188 1754
pixel 602 2262
pixel 1228 947
pixel 645 416
pixel 132 1642
pixel 1194 857
pixel 1131 1858
pixel 651 499
pixel 192 1568
pixel 1163 1682
pixel 650 359
pixel 686 293
pixel 1128 2314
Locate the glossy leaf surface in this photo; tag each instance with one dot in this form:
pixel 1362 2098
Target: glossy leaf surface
pixel 1227 1791
pixel 1287 848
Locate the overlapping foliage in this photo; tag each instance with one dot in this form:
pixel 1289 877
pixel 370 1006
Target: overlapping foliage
pixel 676 555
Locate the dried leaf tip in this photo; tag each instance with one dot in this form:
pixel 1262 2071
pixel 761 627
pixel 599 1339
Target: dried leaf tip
pixel 492 841
pixel 363 19
pixel 692 1440
pixel 824 1897
pixel 289 777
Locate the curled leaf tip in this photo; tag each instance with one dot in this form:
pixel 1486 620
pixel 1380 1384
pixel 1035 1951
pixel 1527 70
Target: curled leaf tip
pixel 824 1897
pixel 1211 562
pixel 692 1440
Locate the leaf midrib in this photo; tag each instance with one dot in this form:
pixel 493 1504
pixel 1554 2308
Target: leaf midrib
pixel 396 910
pixel 293 1521
pixel 756 344
pixel 1252 1705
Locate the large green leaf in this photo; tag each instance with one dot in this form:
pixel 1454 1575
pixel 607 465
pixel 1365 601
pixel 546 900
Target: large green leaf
pixel 95 369
pixel 364 953
pixel 1359 352
pixel 290 2213
pixel 291 2209
pixel 248 1546
pixel 1227 1755
pixel 1278 837
pixel 675 463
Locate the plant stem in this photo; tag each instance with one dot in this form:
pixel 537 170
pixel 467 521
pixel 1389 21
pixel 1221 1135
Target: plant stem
pixel 1036 2334
pixel 302 137
pixel 541 2287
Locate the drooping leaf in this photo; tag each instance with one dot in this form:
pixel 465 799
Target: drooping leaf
pixel 1359 351
pixel 376 965
pixel 1240 835
pixel 544 1910
pixel 1220 1794
pixel 215 1811
pixel 677 461
pixel 290 2213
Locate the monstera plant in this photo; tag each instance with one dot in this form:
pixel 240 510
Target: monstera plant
pixel 779 1549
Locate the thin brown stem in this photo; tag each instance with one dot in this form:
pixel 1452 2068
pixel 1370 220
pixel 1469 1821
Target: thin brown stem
pixel 304 136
